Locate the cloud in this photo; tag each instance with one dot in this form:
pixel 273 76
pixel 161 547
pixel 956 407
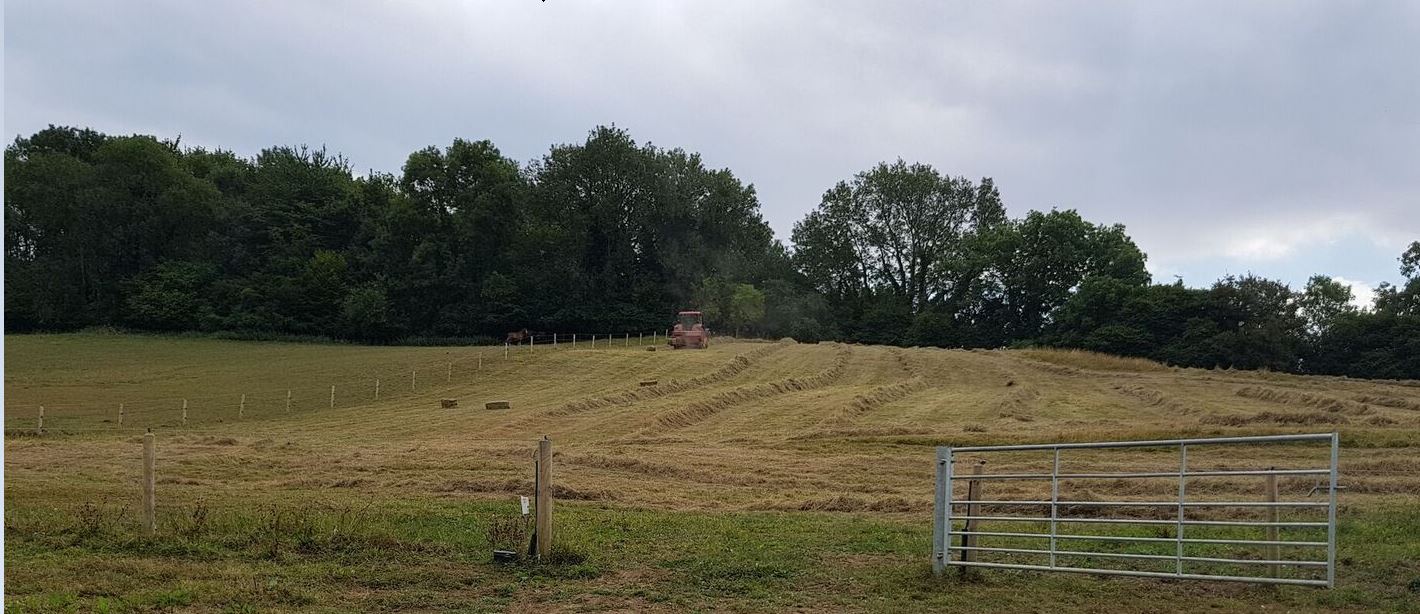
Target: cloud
pixel 1363 295
pixel 1225 136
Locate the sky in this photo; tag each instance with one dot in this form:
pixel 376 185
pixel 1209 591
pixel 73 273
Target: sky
pixel 1275 138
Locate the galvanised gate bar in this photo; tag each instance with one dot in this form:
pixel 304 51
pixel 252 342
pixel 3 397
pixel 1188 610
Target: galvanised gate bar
pixel 1048 541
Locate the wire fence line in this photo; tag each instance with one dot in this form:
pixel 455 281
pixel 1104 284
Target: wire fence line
pixel 365 387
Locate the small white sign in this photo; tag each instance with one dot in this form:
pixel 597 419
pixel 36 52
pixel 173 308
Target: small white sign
pixel 525 505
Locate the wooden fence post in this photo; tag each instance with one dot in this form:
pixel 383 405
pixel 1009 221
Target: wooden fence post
pixel 377 389
pixel 184 412
pixel 544 498
pixel 574 341
pixel 242 407
pixel 150 484
pixel 288 400
pixel 505 349
pixel 628 340
pixel 450 377
pixel 1273 551
pixel 39 426
pixel 640 339
pixel 120 414
pixel 968 538
pixel 332 396
pixel 554 339
pixel 480 362
pixel 412 372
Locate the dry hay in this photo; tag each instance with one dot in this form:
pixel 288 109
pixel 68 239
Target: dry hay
pixel 1152 397
pixel 1072 361
pixel 739 364
pixel 700 410
pixel 1387 401
pixel 1304 399
pixel 882 395
pixel 882 431
pixel 1274 418
pixel 845 503
pixel 675 472
pixel 524 487
pixel 1018 402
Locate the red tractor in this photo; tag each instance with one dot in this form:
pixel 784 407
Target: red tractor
pixel 689 332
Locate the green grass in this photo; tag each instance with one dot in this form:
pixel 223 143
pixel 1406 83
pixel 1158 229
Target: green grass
pixel 435 555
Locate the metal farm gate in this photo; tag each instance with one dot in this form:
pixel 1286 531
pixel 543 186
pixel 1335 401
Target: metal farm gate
pixel 1038 542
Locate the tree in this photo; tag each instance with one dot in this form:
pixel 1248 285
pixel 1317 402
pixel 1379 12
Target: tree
pixel 746 307
pixel 629 231
pixel 1035 264
pixel 1405 298
pixel 899 231
pixel 1323 301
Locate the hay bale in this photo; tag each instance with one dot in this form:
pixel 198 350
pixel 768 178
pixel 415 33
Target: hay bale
pixel 448 403
pixel 497 405
pixel 651 349
pixel 649 382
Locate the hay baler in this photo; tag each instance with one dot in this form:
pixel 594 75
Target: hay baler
pixel 689 332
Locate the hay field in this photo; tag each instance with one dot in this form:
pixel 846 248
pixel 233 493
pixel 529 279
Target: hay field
pixel 753 476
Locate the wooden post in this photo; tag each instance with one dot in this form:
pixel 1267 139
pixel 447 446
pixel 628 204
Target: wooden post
pixel 377 389
pixel 505 349
pixel 480 362
pixel 554 339
pixel 968 540
pixel 628 340
pixel 39 427
pixel 184 412
pixel 288 400
pixel 150 483
pixel 242 407
pixel 640 339
pixel 332 396
pixel 412 372
pixel 1274 552
pixel 574 341
pixel 594 342
pixel 450 377
pixel 544 498
pixel 120 414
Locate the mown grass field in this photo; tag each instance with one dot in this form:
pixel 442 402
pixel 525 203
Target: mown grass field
pixel 752 476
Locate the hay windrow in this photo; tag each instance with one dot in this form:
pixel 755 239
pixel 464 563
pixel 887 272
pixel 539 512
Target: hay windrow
pixel 845 503
pixel 1303 399
pixel 1387 401
pixel 850 433
pixel 1271 417
pixel 1152 397
pixel 875 398
pixel 1018 397
pixel 674 472
pixel 701 410
pixel 737 365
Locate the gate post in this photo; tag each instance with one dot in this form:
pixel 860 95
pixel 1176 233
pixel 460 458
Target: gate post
pixel 543 495
pixel 968 539
pixel 942 511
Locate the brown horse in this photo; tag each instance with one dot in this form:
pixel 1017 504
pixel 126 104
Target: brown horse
pixel 518 336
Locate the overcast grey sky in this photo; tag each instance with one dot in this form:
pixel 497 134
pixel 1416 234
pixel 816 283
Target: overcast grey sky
pixel 1279 138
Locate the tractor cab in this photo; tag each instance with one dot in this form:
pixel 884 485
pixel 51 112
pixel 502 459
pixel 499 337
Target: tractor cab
pixel 689 331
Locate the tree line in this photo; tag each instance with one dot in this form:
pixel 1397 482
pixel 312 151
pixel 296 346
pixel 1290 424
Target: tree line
pixel 611 235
